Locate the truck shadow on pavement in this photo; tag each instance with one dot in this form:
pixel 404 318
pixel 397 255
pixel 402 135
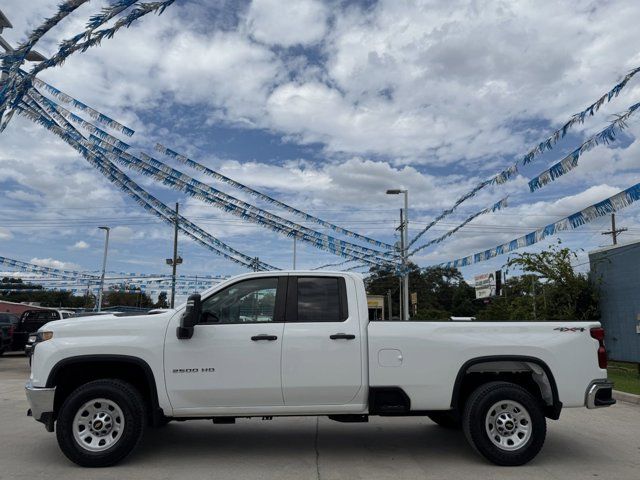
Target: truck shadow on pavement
pixel 282 440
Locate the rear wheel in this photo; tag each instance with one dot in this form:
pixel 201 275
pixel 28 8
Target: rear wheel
pixel 504 423
pixel 100 423
pixel 446 419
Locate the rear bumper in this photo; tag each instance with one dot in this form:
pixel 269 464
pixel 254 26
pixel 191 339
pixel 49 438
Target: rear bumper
pixel 600 394
pixel 41 402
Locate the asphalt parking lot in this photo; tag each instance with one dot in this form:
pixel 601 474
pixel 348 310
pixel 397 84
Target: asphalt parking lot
pixel 583 444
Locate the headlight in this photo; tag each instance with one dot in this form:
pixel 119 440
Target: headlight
pixel 43 336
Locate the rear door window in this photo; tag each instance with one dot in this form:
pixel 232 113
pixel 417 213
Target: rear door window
pixel 316 299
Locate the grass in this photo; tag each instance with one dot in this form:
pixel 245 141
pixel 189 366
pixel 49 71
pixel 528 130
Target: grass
pixel 625 376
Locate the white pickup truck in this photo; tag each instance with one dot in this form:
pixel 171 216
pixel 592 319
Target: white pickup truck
pixel 300 343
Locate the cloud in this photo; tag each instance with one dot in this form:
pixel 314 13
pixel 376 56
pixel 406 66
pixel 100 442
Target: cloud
pixel 325 106
pixel 5 234
pixel 302 22
pixel 53 263
pixel 80 245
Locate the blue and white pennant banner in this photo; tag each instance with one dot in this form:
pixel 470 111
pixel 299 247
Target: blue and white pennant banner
pixel 16 86
pixel 494 208
pixel 143 198
pixel 597 210
pixel 218 176
pixel 570 162
pixel 176 179
pixel 545 145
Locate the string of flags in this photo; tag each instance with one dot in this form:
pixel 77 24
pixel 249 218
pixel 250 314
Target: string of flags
pixel 339 264
pixel 494 208
pixel 218 176
pixel 75 103
pixel 16 85
pixel 589 214
pixel 121 146
pixel 547 144
pixel 147 201
pixel 22 92
pixel 161 172
pixel 31 267
pixel 125 184
pixel 570 162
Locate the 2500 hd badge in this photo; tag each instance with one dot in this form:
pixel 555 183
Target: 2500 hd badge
pixel 194 370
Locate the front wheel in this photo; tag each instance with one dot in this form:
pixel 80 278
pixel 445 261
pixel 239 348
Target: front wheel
pixel 100 423
pixel 504 423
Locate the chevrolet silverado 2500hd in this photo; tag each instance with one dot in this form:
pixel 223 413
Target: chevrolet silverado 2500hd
pixel 299 343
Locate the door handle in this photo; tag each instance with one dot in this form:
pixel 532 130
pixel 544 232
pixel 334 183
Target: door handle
pixel 342 336
pixel 269 338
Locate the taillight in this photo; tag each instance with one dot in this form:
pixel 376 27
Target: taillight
pixel 12 329
pixel 598 334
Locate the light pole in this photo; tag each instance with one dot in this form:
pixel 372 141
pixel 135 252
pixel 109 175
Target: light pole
pixel 404 250
pixel 32 56
pixel 104 265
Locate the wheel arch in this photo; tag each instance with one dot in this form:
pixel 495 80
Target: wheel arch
pixel 501 364
pixel 125 367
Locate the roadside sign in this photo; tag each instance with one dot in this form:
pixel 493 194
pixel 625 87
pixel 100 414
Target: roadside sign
pixel 488 284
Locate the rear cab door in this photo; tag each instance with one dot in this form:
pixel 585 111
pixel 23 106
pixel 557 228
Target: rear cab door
pixel 324 347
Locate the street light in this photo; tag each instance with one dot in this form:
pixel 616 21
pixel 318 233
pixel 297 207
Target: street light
pixel 32 55
pixel 404 249
pixel 104 265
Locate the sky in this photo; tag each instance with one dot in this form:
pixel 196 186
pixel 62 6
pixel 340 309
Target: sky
pixel 326 105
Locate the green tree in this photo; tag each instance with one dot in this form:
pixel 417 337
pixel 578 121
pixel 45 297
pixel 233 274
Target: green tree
pixel 127 298
pixel 162 300
pixel 557 290
pixel 442 292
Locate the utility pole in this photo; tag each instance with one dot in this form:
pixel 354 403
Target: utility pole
pixel 389 304
pixel 176 260
pixel 255 264
pixel 405 257
pixel 614 231
pixel 533 290
pixel 400 247
pixel 400 312
pixel 404 251
pixel 104 266
pixel 294 251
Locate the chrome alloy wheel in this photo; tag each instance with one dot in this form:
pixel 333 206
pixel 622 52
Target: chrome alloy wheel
pixel 98 425
pixel 508 425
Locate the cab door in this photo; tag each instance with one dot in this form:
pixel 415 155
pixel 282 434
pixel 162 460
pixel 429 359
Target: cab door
pixel 233 358
pixel 321 353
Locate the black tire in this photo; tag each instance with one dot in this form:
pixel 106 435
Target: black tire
pixel 126 398
pixel 477 414
pixel 450 420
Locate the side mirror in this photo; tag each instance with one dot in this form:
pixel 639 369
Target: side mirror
pixel 190 318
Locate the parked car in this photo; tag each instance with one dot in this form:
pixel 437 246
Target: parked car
pixel 31 320
pixel 300 343
pixel 8 322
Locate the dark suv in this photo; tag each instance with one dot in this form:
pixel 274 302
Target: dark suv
pixel 8 324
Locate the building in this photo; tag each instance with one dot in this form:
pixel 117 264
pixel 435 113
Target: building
pixel 616 271
pixel 17 308
pixel 375 304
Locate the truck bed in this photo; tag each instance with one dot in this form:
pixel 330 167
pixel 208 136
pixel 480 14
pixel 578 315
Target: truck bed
pixel 425 358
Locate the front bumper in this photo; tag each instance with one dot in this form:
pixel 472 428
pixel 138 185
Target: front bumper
pixel 41 402
pixel 600 394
